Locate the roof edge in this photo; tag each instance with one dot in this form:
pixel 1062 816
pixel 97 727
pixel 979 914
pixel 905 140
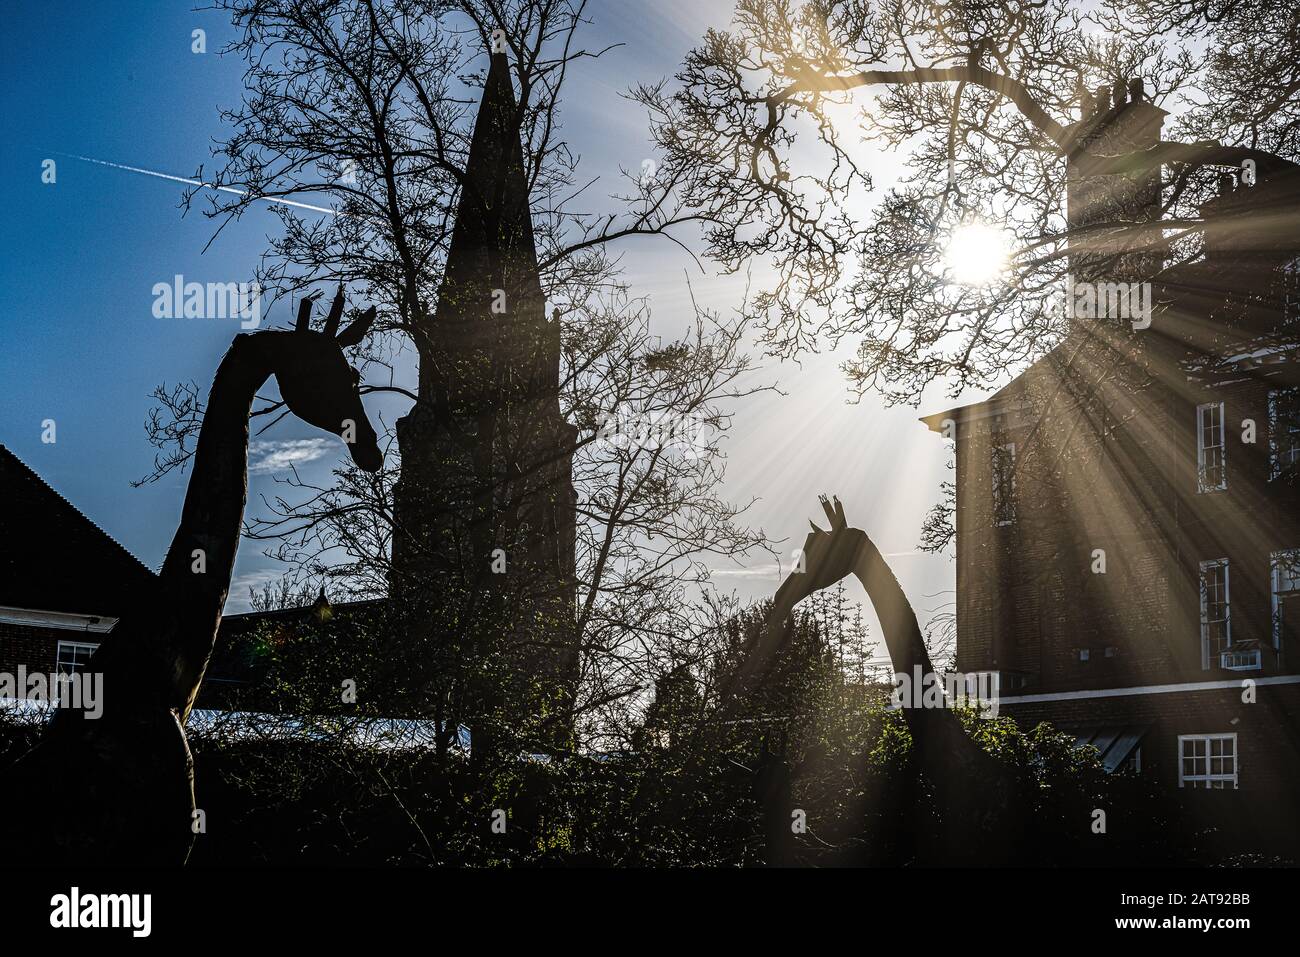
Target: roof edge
pixel 33 474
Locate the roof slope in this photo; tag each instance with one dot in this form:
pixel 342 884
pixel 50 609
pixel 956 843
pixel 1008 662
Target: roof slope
pixel 1010 391
pixel 56 559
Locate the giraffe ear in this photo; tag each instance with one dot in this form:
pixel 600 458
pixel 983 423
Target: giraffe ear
pixel 336 312
pixel 357 330
pixel 304 312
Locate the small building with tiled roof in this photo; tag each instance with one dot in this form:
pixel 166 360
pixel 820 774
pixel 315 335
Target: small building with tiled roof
pixel 64 581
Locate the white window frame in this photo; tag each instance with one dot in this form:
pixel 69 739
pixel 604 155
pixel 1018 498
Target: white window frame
pixel 1007 449
pixel 1287 558
pixel 1210 779
pixel 73 667
pixel 1202 465
pixel 1275 452
pixel 1206 654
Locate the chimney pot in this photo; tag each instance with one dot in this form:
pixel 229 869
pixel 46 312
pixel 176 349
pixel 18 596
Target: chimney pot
pixel 1136 91
pixel 1103 98
pixel 1118 93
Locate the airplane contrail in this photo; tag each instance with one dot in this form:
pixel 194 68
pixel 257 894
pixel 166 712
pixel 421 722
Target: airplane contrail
pixel 196 182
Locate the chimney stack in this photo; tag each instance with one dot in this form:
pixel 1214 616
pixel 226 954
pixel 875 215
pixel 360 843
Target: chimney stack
pixel 1124 121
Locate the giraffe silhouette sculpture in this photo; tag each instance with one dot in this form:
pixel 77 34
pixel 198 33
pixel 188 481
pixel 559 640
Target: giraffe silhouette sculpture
pixel 972 793
pixel 119 789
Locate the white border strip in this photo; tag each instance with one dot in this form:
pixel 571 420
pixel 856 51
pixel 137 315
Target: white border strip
pixel 1147 689
pixel 62 620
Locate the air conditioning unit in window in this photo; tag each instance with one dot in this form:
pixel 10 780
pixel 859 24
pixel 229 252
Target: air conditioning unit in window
pixel 1243 656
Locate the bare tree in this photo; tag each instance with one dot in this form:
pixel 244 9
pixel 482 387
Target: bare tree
pixel 370 107
pixel 1244 89
pixel 984 101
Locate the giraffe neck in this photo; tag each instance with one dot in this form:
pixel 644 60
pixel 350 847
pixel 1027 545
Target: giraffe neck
pixel 902 632
pixel 195 577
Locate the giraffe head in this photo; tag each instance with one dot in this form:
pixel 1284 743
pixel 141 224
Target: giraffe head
pixel 321 388
pixel 827 556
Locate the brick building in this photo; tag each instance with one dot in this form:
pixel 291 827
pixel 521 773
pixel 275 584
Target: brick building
pixel 64 583
pixel 1128 537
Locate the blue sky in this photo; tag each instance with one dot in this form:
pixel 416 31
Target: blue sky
pixel 118 82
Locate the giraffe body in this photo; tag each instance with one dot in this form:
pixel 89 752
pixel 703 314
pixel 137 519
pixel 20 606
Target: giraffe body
pixel 119 789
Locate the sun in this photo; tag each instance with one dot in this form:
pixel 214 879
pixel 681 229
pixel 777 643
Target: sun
pixel 976 253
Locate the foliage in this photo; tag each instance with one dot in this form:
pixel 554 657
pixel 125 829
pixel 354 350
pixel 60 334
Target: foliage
pixel 691 791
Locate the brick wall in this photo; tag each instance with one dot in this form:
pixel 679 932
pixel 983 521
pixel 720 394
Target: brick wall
pixel 1028 599
pixel 37 648
pixel 1268 731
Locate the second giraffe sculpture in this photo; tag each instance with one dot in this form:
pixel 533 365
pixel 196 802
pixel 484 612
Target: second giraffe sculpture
pixel 975 798
pixel 119 789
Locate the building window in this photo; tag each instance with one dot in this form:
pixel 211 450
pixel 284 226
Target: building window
pixel 1011 681
pixel 1283 430
pixel 73 656
pixel 1285 566
pixel 1211 467
pixel 1004 483
pixel 1207 760
pixel 1291 292
pixel 1216 620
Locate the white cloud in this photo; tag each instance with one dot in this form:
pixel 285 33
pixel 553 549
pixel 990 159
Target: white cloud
pixel 277 456
pixel 257 579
